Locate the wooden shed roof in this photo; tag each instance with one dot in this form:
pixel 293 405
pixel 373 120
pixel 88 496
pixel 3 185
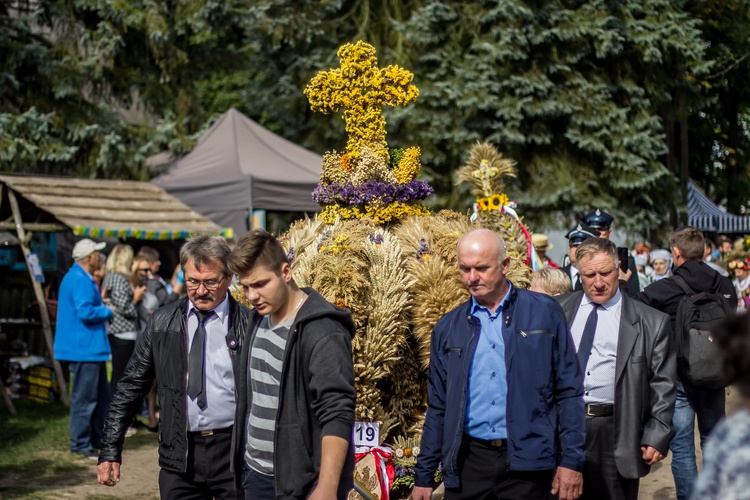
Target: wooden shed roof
pixel 111 208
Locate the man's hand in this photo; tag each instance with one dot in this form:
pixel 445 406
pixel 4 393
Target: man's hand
pixel 108 473
pixel 651 455
pixel 567 484
pixel 421 493
pixel 321 493
pixel 625 275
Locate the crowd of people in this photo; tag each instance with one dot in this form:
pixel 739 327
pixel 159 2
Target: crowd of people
pixel 572 389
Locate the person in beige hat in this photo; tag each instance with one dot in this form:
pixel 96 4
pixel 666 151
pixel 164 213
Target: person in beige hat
pixel 541 245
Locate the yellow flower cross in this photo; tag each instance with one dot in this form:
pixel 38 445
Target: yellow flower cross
pixel 485 173
pixel 361 89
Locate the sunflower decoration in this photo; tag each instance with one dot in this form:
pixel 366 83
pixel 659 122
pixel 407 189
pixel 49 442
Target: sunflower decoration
pixel 486 171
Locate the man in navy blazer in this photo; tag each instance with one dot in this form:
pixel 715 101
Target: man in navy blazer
pixel 505 413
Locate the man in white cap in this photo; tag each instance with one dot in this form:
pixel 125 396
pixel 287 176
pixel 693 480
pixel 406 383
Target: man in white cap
pixel 81 340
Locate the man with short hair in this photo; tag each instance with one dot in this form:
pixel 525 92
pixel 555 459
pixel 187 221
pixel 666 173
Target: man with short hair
pixel 300 412
pixel 505 412
pixel 602 221
pixel 628 376
pixel 81 339
pixel 155 283
pixel 724 246
pixel 687 247
pixel 575 237
pixel 194 348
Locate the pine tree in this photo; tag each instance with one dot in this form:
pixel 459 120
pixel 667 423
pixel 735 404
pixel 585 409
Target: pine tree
pixel 571 90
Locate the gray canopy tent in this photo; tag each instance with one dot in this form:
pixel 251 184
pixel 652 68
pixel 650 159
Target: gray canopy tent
pixel 237 167
pixel 705 215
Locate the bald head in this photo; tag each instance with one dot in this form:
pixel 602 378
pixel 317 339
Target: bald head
pixel 484 239
pixel 483 265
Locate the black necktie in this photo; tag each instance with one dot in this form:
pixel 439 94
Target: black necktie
pixel 197 361
pixel 587 340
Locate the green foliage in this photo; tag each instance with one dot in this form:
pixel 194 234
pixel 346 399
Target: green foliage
pixel 92 87
pixel 571 90
pixel 719 139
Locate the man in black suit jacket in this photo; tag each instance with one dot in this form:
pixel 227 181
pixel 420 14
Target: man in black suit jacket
pixel 629 376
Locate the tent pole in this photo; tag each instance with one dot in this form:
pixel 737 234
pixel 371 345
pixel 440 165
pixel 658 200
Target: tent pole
pixel 43 311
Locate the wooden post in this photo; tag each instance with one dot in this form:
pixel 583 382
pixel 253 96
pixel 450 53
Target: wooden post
pixel 41 299
pixel 6 398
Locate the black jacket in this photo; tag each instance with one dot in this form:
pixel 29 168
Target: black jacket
pixel 316 395
pixel 665 295
pixel 161 354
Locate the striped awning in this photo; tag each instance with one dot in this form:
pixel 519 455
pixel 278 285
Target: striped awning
pixel 705 215
pixel 111 208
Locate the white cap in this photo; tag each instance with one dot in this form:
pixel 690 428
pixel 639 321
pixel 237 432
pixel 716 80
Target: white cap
pixel 86 247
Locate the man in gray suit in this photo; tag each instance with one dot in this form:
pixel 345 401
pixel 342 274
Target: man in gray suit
pixel 629 376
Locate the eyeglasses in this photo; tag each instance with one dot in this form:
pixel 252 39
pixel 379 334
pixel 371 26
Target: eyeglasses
pixel 144 270
pixel 210 285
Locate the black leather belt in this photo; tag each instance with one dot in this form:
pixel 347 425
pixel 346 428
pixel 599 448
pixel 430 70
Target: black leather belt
pixel 599 410
pixel 210 432
pixel 494 443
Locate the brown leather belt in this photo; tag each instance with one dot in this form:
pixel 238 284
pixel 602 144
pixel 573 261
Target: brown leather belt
pixel 494 443
pixel 599 410
pixel 210 432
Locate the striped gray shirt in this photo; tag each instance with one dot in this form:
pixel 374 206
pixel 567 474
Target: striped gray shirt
pixel 266 359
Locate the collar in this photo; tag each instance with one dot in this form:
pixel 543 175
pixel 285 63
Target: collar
pixel 85 271
pixel 607 305
pixel 476 306
pixel 221 310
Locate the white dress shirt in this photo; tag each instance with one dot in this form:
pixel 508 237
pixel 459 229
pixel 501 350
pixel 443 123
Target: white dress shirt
pixel 599 373
pixel 220 398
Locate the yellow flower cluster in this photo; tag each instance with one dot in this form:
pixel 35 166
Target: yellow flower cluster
pixel 361 89
pixel 339 244
pixel 379 214
pixel 408 168
pixel 330 213
pixel 493 202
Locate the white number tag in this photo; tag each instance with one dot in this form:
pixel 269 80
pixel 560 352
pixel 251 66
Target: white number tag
pixel 366 434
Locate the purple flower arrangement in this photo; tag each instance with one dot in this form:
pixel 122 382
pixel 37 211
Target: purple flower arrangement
pixel 351 195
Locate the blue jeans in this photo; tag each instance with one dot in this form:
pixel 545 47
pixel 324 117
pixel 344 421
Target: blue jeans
pixel 258 486
pixel 709 406
pixel 89 400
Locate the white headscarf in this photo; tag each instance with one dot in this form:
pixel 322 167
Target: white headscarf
pixel 661 254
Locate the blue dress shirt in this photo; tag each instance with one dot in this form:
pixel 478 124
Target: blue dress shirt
pixel 488 387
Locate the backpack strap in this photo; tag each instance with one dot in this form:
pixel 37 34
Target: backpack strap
pixel 683 284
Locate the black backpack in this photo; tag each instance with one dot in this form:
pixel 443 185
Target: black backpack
pixel 698 314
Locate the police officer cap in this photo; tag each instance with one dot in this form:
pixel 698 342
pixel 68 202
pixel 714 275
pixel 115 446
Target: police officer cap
pixel 580 233
pixel 598 219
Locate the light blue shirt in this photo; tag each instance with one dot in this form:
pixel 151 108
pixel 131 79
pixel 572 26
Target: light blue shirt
pixel 599 376
pixel 220 398
pixel 488 387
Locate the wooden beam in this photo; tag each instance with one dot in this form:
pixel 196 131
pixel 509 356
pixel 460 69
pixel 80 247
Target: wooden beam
pixel 41 299
pixel 35 226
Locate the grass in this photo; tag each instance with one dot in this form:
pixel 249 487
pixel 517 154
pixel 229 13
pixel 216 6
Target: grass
pixel 34 453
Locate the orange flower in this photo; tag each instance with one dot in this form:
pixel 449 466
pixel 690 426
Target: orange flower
pixel 345 164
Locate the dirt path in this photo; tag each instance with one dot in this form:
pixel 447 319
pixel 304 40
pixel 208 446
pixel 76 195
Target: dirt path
pixel 140 472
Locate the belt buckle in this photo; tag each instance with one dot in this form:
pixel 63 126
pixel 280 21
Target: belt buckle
pixel 207 433
pixel 588 411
